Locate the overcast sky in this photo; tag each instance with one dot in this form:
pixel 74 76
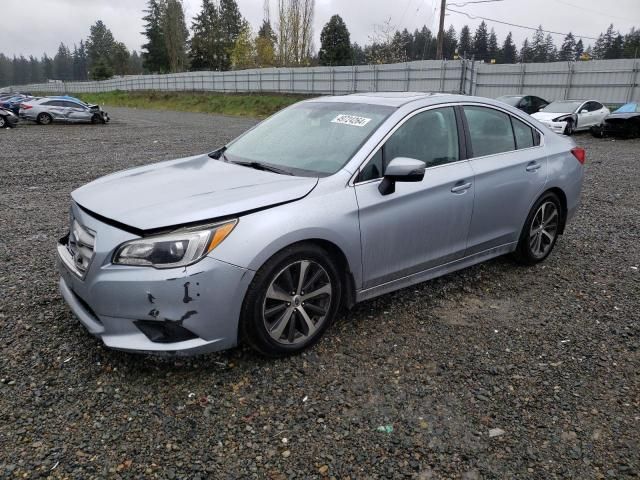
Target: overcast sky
pixel 38 26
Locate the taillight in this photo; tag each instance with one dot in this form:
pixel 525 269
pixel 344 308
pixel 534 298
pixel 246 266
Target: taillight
pixel 580 154
pixel 24 106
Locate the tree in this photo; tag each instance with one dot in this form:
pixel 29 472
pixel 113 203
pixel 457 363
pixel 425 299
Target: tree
pixel 358 55
pixel 243 54
pixel 568 48
pixel 228 29
pixel 493 52
pixel 335 43
pixel 206 44
pixel 465 48
pixel 424 45
pixel 120 59
pixel 449 43
pixel 509 52
pixel 35 70
pixel 100 47
pixel 135 64
pixel 526 54
pixel 551 52
pixel 480 42
pixel 266 45
pixel 631 47
pixel 383 48
pixel 538 46
pixel 63 63
pixel 295 31
pixel 154 53
pixel 47 67
pixel 579 49
pixel 175 33
pixel 616 49
pixel 80 62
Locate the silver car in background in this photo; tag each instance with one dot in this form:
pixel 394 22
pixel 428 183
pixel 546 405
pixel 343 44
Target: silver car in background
pixel 58 109
pixel 329 202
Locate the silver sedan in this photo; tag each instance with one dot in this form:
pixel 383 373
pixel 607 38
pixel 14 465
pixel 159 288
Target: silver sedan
pixel 51 109
pixel 328 203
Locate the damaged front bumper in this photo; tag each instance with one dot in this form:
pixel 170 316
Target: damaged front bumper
pixel 186 311
pixel 557 127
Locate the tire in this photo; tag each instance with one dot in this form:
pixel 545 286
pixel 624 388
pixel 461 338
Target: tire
pixel 536 243
pixel 597 131
pixel 276 323
pixel 3 122
pixel 568 130
pixel 96 119
pixel 44 119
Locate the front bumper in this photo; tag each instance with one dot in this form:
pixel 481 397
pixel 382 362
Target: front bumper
pixel 183 311
pixel 12 121
pixel 556 127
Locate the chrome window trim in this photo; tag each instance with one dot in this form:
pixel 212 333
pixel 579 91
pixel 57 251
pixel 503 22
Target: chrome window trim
pixel 352 180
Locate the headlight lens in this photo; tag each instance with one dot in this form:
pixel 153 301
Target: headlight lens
pixel 175 249
pixel 561 118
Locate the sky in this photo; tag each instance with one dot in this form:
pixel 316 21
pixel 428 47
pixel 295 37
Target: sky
pixel 38 26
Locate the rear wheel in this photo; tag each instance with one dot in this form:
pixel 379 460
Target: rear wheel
pixel 44 119
pixel 3 122
pixel 292 300
pixel 540 231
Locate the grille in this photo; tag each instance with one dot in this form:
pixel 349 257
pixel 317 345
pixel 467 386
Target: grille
pixel 80 246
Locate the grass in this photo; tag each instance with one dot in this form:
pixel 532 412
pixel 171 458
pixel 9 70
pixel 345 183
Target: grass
pixel 244 105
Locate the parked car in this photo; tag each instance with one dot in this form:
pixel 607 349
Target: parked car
pixel 624 122
pixel 527 103
pixel 47 110
pixel 13 103
pixel 329 202
pixel 7 118
pixel 568 116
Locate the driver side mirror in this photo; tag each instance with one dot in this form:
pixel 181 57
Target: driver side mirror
pixel 401 169
pixel 584 110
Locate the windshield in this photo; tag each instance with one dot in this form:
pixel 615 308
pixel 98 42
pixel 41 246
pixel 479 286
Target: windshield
pixel 565 106
pixel 629 108
pixel 513 101
pixel 310 138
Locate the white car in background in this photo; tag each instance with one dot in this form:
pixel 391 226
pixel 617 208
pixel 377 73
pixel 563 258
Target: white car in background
pixel 568 116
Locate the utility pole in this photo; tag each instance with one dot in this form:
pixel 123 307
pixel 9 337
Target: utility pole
pixel 443 7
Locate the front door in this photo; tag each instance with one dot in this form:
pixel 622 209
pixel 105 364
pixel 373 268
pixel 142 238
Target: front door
pixel 423 224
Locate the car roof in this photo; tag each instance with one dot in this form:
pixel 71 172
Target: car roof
pixel 390 99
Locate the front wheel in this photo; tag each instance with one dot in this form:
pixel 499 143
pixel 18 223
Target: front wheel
pixel 568 130
pixel 3 122
pixel 540 231
pixel 44 119
pixel 292 300
pixel 96 119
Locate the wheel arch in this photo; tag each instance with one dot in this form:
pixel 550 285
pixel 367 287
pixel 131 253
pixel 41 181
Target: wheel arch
pixel 563 203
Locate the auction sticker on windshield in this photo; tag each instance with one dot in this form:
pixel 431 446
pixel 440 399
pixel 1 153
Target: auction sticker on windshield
pixel 351 120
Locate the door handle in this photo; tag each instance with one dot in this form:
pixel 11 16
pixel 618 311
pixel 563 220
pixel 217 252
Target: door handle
pixel 461 188
pixel 533 167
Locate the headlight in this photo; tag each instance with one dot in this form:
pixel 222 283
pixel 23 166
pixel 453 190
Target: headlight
pixel 561 118
pixel 176 249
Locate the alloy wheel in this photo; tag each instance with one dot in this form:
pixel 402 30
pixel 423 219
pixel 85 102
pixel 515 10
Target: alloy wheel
pixel 544 229
pixel 297 302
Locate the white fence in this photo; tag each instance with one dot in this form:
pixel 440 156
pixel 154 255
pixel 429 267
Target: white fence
pixel 610 81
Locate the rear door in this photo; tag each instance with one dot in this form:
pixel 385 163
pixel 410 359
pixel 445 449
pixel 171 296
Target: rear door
pixel 56 109
pixel 510 170
pixel 421 224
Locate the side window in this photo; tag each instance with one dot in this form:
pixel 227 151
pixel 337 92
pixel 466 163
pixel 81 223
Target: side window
pixel 430 136
pixel 490 131
pixel 525 102
pixel 52 103
pixel 523 134
pixel 594 106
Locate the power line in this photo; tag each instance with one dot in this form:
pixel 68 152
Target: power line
pixel 474 1
pixel 591 10
pixel 475 17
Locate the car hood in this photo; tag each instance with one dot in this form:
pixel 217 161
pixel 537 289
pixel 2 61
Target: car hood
pixel 187 190
pixel 548 115
pixel 623 115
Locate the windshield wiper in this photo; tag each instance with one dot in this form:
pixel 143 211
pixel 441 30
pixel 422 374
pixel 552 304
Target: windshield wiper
pixel 263 166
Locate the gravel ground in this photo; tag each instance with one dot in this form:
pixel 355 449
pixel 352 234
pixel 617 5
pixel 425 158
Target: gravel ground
pixel 497 371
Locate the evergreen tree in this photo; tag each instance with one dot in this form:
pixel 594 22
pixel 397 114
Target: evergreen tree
pixel 357 54
pixel 492 47
pixel 6 71
pixel 135 64
pixel 551 52
pixel 335 43
pixel 63 63
pixel 465 48
pixel 509 52
pixel 631 48
pixel 231 24
pixel 450 42
pixel 424 44
pixel 526 54
pixel 47 67
pixel 205 43
pixel 120 59
pixel 481 42
pixel 154 53
pixel 266 45
pixel 616 49
pixel 35 70
pixel 175 33
pixel 579 49
pixel 80 64
pixel 100 48
pixel 538 46
pixel 568 48
pixel 599 48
